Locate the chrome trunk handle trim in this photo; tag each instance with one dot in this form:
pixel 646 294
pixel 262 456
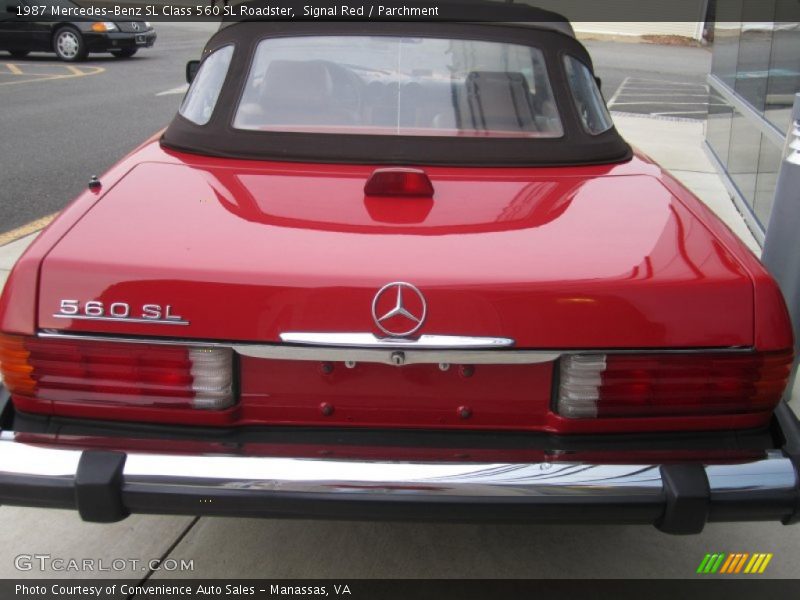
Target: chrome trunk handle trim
pixel 397 357
pixel 369 340
pixel 427 349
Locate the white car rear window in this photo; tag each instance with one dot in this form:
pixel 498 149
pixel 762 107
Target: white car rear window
pixel 384 85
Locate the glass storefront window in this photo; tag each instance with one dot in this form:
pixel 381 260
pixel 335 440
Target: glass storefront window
pixel 743 155
pixel 784 66
pixel 718 126
pixel 755 48
pixel 726 41
pixel 758 61
pixel 769 163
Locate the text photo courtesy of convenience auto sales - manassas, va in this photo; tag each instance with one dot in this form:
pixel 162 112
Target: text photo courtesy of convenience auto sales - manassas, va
pixel 377 300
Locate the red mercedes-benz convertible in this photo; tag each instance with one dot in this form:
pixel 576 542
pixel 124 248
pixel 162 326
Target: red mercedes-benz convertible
pixel 396 270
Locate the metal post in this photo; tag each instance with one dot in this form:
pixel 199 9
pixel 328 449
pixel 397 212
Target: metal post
pixel 782 242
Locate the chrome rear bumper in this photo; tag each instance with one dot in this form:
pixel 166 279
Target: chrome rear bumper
pixel 678 498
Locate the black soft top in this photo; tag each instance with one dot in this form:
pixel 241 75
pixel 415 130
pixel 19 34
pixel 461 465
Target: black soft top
pixel 487 11
pixel 546 31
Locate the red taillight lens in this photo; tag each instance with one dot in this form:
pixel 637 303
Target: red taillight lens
pixel 117 374
pixel 395 181
pixel 673 384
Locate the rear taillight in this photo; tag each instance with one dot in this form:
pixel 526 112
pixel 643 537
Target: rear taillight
pixel 396 181
pixel 117 374
pixel 670 384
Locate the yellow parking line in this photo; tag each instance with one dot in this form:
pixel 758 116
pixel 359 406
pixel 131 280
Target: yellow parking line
pixel 92 70
pixel 42 78
pixel 69 72
pixel 27 229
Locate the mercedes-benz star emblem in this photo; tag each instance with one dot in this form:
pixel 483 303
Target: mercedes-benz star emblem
pixel 135 26
pixel 399 309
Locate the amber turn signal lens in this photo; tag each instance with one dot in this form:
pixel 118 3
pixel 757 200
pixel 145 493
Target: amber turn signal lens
pixel 15 367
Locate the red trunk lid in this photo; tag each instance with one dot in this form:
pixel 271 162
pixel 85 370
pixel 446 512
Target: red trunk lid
pixel 557 258
pixel 549 259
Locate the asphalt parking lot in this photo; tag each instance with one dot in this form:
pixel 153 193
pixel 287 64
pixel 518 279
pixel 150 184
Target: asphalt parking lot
pixel 651 79
pixel 662 98
pixel 63 123
pixel 59 126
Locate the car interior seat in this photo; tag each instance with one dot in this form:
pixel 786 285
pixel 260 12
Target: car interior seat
pixel 298 92
pixel 499 101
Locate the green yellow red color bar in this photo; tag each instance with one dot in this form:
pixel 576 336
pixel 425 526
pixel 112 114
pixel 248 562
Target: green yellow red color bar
pixel 733 563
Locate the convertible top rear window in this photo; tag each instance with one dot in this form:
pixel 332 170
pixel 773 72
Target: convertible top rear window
pixel 399 86
pixel 403 93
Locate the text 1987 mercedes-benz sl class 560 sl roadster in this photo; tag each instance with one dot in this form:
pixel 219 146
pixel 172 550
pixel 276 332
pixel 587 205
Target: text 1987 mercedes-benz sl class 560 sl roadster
pixel 396 270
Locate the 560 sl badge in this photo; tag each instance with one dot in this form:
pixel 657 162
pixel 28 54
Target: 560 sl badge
pixel 94 310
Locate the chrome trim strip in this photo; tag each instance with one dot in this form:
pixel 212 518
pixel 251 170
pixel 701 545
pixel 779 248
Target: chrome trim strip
pixel 757 476
pixel 397 478
pixel 387 353
pixel 365 479
pixel 399 356
pixel 369 340
pixel 159 341
pixel 25 459
pixel 123 319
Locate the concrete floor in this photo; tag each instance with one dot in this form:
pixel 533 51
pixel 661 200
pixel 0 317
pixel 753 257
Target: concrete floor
pixel 228 547
pixel 224 547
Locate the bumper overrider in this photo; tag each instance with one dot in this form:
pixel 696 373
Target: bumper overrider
pixel 106 486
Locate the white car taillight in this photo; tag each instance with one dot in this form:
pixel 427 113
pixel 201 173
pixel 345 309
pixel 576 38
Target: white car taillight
pixel 670 384
pixel 212 377
pixel 118 374
pixel 581 376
